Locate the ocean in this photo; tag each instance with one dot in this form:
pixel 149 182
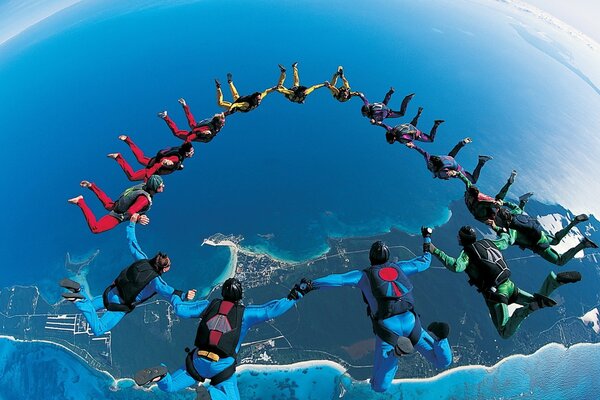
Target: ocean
pixel 553 372
pixel 295 174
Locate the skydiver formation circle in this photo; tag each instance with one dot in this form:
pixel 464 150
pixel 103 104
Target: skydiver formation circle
pixel 385 285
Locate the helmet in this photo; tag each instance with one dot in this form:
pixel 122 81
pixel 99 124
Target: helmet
pixel 436 163
pixel 153 183
pixel 185 148
pixel 232 290
pixel 379 253
pixel 467 235
pixel 364 110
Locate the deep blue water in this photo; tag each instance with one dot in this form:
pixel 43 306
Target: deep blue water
pixel 300 172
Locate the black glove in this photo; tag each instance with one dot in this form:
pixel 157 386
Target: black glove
pixel 426 247
pixel 426 231
pixel 302 288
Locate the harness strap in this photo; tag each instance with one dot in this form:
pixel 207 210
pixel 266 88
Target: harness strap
pixel 119 306
pixel 215 380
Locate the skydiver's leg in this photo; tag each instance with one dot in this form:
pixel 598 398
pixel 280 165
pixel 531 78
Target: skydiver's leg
pixel 396 114
pixel 226 390
pixel 282 75
pixel 558 236
pixel 388 96
pixel 104 199
pixel 102 325
pixel 189 116
pixel 137 152
pixel 502 193
pixel 477 170
pixel 384 367
pixel 346 84
pixel 177 381
pixel 458 147
pixel 296 76
pixel 332 88
pixel 437 352
pixel 468 175
pixel 415 120
pixel 313 88
pixel 554 257
pixel 234 91
pixel 220 102
pixel 423 137
pixel 181 134
pixel 505 324
pixel 131 174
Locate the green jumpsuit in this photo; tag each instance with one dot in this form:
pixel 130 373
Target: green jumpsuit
pixel 505 323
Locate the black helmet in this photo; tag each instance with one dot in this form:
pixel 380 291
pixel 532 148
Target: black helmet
pixel 379 253
pixel 364 110
pixel 467 235
pixel 185 148
pixel 436 163
pixel 232 290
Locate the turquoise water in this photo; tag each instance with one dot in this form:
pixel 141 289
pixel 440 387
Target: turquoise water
pixel 40 370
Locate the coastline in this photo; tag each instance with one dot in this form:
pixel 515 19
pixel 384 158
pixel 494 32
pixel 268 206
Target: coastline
pixel 126 383
pixel 264 249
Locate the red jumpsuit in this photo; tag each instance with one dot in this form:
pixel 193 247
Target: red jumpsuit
pixel 188 136
pixel 145 173
pixel 108 221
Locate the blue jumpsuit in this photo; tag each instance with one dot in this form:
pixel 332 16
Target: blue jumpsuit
pixel 110 319
pixel 385 365
pixel 226 390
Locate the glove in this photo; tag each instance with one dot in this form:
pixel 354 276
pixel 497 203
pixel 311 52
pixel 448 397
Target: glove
pixel 301 289
pixel 428 248
pixel 426 231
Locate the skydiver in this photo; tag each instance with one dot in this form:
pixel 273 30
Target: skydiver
pixel 297 93
pixel 483 262
pixel 444 167
pixel 203 131
pixel 342 93
pixel 377 112
pixel 405 133
pixel 525 230
pixel 135 285
pixel 223 325
pixel 243 103
pixel 136 199
pixel 165 162
pixel 387 291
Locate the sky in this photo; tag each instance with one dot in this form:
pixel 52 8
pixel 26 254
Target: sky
pixel 582 15
pixel 18 15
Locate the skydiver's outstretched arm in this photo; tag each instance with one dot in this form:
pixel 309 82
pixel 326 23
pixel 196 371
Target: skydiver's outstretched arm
pixel 464 178
pixel 383 125
pixel 337 280
pixel 363 98
pixel 267 91
pixel 313 88
pixel 188 309
pixel 256 314
pixel 134 247
pixel 425 154
pixel 417 264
